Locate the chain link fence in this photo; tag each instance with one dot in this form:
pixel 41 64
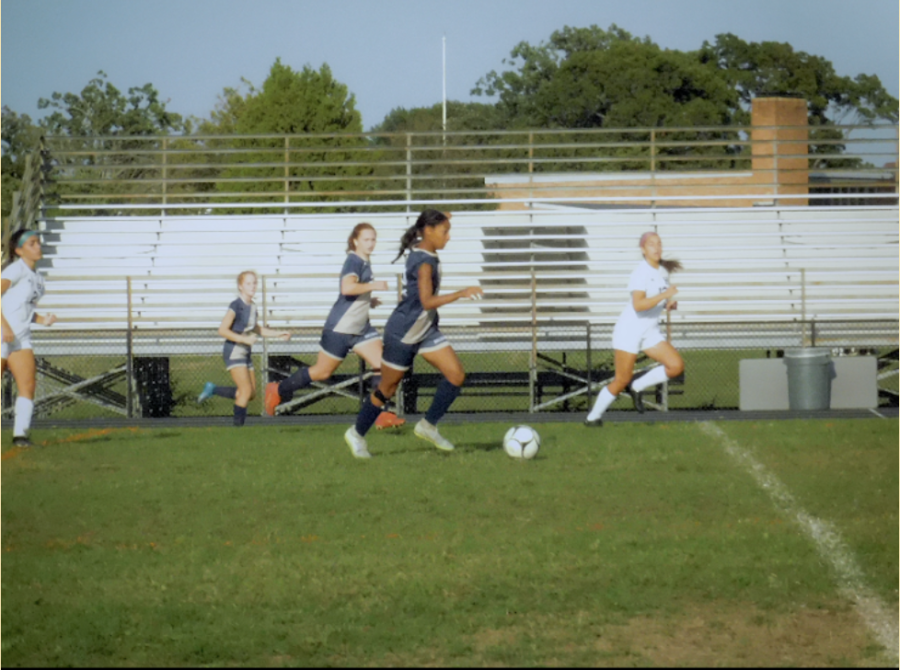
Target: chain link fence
pixel 550 367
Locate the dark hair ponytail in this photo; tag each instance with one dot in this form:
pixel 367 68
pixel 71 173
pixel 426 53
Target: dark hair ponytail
pixel 430 218
pixel 670 265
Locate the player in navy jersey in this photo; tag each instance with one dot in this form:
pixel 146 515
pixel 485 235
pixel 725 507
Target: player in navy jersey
pixel 241 329
pixel 413 329
pixel 21 287
pixel 637 329
pixel 347 327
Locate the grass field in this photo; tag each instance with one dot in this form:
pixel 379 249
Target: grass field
pixel 636 544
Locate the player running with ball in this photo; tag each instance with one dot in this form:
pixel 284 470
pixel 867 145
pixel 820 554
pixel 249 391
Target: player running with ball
pixel 413 329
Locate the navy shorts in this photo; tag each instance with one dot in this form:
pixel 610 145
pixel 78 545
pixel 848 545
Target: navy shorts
pixel 338 345
pixel 237 356
pixel 399 355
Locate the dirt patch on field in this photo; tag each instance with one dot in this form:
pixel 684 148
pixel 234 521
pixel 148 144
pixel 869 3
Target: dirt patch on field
pixel 715 635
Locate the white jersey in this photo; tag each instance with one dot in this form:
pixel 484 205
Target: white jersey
pixel 21 298
pixel 652 281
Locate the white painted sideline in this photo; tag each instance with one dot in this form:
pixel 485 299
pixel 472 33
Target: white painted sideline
pixel 877 617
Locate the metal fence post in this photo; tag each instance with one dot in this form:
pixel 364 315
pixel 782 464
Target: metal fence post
pixel 265 341
pixel 590 394
pixel 129 356
pixel 408 170
pixel 401 403
pixel 532 374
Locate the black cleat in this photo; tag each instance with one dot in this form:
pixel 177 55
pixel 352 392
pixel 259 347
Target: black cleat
pixel 22 442
pixel 595 423
pixel 636 398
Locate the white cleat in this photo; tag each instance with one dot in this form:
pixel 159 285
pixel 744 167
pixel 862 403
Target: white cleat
pixel 428 432
pixel 357 443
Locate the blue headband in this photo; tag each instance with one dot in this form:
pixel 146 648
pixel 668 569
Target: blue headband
pixel 24 238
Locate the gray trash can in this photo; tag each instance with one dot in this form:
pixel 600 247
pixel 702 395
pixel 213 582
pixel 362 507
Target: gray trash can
pixel 809 378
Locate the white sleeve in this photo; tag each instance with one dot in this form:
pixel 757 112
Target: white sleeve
pixel 13 272
pixel 637 281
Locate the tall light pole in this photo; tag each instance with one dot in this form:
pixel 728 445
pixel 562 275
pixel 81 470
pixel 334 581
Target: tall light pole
pixel 444 96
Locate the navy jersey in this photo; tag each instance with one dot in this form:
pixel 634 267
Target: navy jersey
pixel 244 322
pixel 350 313
pixel 409 320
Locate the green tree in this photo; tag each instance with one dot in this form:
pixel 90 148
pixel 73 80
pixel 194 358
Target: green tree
pixel 20 136
pixel 449 164
pixel 317 141
pixel 589 78
pixel 108 140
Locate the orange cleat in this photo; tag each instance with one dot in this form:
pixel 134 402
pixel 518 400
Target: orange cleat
pixel 272 398
pixel 388 420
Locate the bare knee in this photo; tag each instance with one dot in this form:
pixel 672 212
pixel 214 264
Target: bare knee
pixel 674 368
pixel 318 374
pixel 456 377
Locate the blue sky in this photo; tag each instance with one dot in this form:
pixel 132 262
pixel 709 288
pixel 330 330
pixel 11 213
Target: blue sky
pixel 388 52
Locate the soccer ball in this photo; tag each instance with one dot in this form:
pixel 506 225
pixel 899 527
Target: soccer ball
pixel 521 442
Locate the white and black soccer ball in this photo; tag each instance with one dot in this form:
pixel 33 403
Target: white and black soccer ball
pixel 521 442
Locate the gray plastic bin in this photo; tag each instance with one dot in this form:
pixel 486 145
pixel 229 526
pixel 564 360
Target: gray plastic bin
pixel 809 378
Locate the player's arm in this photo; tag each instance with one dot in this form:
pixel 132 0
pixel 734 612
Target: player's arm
pixel 44 319
pixel 350 285
pixel 270 332
pixel 642 303
pixel 431 301
pixel 226 332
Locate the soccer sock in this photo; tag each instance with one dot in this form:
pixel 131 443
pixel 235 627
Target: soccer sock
pixel 656 376
pixel 444 396
pixel 225 391
pixel 24 409
pixel 367 416
pixel 240 415
pixel 295 382
pixel 603 401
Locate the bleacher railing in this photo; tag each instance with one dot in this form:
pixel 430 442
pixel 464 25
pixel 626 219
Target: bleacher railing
pixel 479 170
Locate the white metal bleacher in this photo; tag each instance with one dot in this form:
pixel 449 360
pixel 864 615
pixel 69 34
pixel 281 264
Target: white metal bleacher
pixel 762 264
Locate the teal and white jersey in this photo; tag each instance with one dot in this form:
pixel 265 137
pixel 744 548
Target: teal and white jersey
pixel 25 289
pixel 350 313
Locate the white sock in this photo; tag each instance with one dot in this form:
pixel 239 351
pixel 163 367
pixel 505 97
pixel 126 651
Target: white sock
pixel 24 408
pixel 656 376
pixel 603 401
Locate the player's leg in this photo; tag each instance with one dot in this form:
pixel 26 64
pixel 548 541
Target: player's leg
pixel 22 365
pixel 334 347
pixel 448 363
pixel 624 366
pixel 371 351
pixel 671 365
pixel 245 383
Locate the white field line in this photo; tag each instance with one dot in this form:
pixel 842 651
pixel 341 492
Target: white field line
pixel 881 622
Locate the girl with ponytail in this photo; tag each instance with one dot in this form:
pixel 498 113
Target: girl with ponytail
pixel 347 327
pixel 21 287
pixel 637 329
pixel 413 329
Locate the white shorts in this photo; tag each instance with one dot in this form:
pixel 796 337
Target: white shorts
pixel 628 338
pixel 17 344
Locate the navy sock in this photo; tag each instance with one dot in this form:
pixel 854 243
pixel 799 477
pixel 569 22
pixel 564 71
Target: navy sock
pixel 240 415
pixel 374 380
pixel 367 416
pixel 444 396
pixel 225 391
pixel 295 382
